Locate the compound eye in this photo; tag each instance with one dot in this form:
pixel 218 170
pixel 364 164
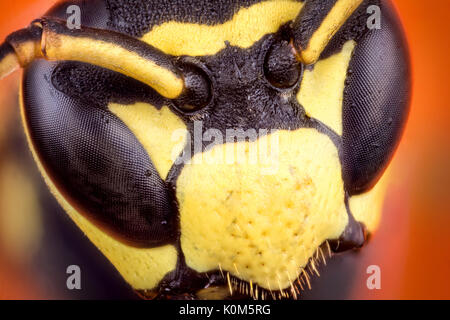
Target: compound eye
pixel 281 67
pixel 197 93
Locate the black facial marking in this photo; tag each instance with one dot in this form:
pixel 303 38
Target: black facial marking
pixel 242 98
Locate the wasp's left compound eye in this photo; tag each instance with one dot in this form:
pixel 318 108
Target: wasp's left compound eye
pixel 197 93
pixel 281 67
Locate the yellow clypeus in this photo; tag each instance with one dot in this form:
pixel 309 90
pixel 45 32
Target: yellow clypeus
pixel 262 226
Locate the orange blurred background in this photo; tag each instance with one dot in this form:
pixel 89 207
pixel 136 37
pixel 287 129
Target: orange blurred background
pixel 412 246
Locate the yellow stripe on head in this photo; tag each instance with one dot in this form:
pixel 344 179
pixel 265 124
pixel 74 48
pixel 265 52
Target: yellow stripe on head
pixel 246 27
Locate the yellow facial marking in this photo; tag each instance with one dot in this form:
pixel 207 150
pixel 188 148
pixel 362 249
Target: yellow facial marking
pixel 141 268
pixel 337 16
pixel 113 57
pixel 246 27
pixel 154 129
pixel 322 89
pixel 262 227
pixel 367 207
